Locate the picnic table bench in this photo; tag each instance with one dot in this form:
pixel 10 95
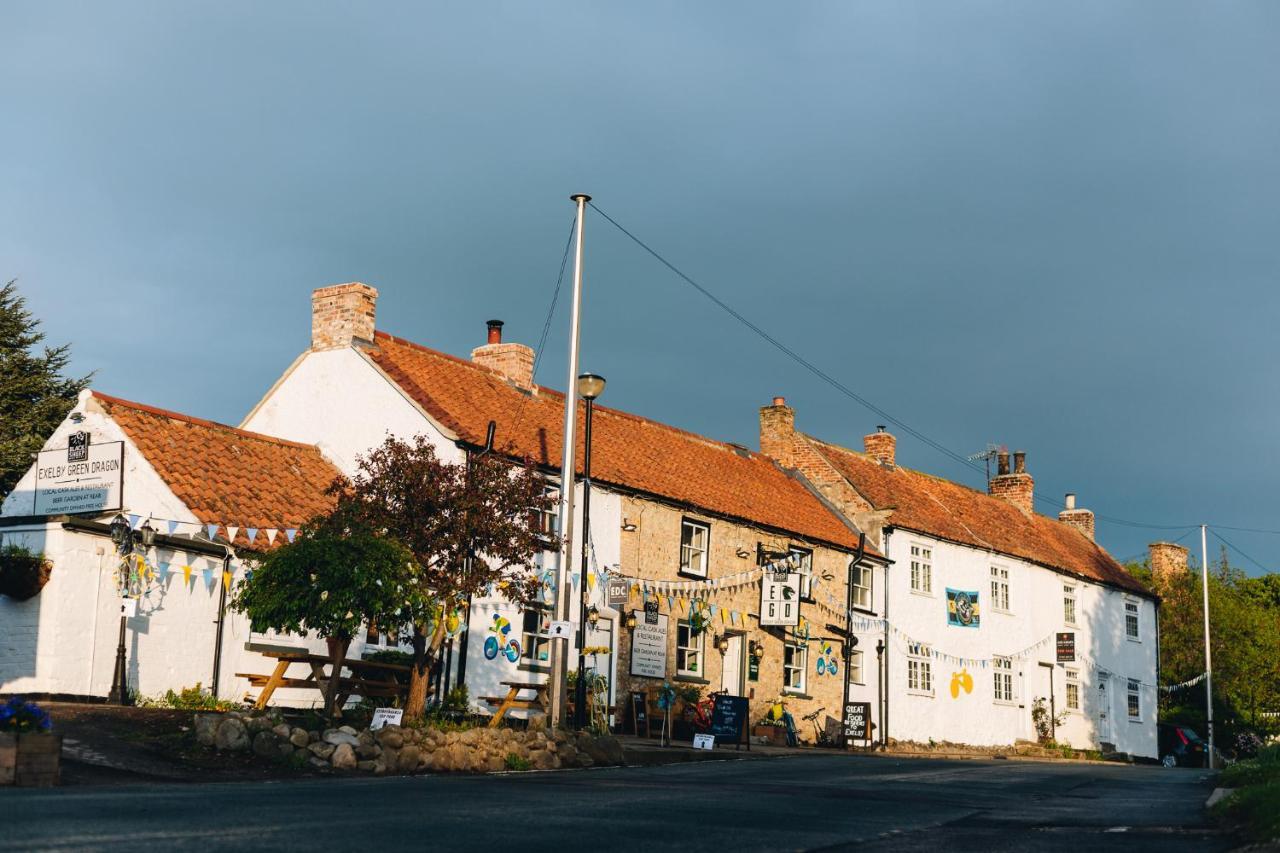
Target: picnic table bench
pixel 367 678
pixel 539 703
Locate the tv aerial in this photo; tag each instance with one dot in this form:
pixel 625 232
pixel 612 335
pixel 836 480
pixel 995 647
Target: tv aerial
pixel 992 451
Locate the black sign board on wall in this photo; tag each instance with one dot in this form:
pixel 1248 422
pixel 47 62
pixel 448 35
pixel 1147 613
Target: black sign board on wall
pixel 857 722
pixel 729 720
pixel 651 612
pixel 1066 647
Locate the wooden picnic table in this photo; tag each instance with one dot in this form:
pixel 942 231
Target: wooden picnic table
pixel 367 678
pixel 540 703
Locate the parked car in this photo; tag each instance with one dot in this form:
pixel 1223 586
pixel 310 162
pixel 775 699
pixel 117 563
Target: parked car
pixel 1180 746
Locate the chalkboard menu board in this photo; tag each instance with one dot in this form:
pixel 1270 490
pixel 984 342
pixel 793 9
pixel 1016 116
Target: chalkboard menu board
pixel 640 712
pixel 857 722
pixel 729 720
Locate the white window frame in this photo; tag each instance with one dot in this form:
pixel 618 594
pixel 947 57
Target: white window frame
pixel 547 521
pixel 539 637
pixel 690 647
pixel 1002 681
pixel 1073 689
pixel 855 667
pixel 805 569
pixel 795 662
pixel 921 568
pixel 919 670
pixel 1070 605
pixel 1132 620
pixel 1133 700
pixel 1000 589
pixel 688 550
pixel 860 593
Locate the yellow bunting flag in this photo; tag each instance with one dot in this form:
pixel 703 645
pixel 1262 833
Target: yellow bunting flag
pixel 186 575
pixel 591 580
pixel 226 579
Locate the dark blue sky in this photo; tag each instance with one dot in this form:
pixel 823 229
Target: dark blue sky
pixel 1047 225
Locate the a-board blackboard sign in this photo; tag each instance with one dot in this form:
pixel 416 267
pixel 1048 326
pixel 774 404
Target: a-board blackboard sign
pixel 857 722
pixel 729 716
pixel 640 712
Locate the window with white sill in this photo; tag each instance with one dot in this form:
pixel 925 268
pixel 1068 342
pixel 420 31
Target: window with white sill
pixel 804 559
pixel 1002 679
pixel 855 667
pixel 860 593
pixel 795 665
pixel 695 538
pixel 689 646
pixel 921 569
pixel 1134 700
pixel 1073 689
pixel 1069 604
pixel 1131 627
pixel 1000 589
pixel 919 669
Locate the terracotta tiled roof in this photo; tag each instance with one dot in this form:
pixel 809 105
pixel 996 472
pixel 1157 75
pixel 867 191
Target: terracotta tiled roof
pixel 225 475
pixel 951 511
pixel 628 451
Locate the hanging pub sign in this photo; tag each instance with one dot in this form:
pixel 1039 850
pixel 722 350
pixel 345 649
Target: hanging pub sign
pixel 81 477
pixel 780 599
pixel 619 590
pixel 649 648
pixel 962 608
pixel 1066 647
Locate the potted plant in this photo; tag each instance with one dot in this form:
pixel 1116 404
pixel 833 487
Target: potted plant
pixel 29 751
pixel 23 572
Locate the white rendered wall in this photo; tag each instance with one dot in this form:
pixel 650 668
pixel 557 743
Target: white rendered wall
pixel 1035 613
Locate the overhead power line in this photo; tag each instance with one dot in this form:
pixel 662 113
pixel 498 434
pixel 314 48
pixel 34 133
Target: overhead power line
pixel 1223 540
pixel 839 386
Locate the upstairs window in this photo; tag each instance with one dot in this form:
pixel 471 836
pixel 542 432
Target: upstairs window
pixel 861 591
pixel 1003 679
pixel 1069 604
pixel 695 537
pixel 920 669
pixel 1073 690
pixel 855 666
pixel 805 568
pixel 535 637
pixel 545 520
pixel 1131 620
pixel 1000 588
pixel 921 569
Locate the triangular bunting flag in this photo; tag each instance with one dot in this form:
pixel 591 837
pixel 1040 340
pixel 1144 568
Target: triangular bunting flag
pixel 271 535
pixel 186 576
pixel 173 527
pixel 252 533
pixel 231 533
pixel 226 579
pixel 671 603
pixel 290 532
pixel 211 530
pixel 133 520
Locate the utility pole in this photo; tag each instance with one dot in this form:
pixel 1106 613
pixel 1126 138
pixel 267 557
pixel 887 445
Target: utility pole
pixel 559 647
pixel 1208 659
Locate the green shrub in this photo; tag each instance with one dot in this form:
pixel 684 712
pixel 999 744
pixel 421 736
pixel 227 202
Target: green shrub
pixel 1263 769
pixel 189 699
pixel 515 762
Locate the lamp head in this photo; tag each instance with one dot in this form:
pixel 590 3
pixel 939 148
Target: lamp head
pixel 590 386
pixel 148 534
pixel 593 616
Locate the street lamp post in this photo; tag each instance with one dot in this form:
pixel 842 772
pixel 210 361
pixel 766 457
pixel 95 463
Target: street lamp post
pixel 590 387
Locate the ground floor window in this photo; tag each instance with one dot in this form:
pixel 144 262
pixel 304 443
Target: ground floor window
pixel 1135 707
pixel 855 666
pixel 795 658
pixel 535 639
pixel 689 650
pixel 1003 678
pixel 920 669
pixel 1073 690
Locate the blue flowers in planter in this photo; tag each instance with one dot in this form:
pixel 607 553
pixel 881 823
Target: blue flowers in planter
pixel 18 715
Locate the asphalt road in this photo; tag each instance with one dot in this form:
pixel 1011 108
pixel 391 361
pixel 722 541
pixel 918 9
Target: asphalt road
pixel 799 803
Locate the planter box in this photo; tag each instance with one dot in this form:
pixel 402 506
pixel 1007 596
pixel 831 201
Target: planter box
pixel 777 735
pixel 30 760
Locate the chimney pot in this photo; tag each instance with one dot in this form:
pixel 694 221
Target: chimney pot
pixel 512 361
pixel 1002 463
pixel 495 331
pixel 1019 461
pixel 1017 488
pixel 1081 519
pixel 1070 501
pixel 779 401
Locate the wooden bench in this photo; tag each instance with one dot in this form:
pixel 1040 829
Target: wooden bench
pixel 367 678
pixel 538 704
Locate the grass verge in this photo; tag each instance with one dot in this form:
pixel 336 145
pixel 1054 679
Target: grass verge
pixel 1255 805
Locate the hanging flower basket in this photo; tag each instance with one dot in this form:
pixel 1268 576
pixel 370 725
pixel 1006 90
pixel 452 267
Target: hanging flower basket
pixel 23 573
pixel 699 617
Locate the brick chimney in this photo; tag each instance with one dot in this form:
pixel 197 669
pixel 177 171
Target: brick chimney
pixel 1080 519
pixel 1168 563
pixel 512 361
pixel 1017 488
pixel 342 315
pixel 881 446
pixel 778 432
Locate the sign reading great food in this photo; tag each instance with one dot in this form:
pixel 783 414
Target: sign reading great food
pixel 780 599
pixel 649 648
pixel 81 477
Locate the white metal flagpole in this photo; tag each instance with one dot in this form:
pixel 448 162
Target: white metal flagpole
pixel 559 647
pixel 1208 659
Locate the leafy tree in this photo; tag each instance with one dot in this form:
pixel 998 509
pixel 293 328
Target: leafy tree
pixel 34 395
pixel 332 580
pixel 469 526
pixel 1244 629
